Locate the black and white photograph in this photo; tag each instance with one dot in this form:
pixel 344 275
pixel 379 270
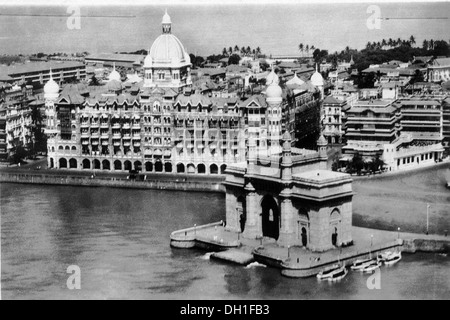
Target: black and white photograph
pixel 201 151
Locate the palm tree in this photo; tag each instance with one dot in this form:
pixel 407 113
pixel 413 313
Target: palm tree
pixel 431 44
pixel 248 50
pixel 369 45
pixel 412 40
pixel 399 42
pixel 425 44
pixel 258 51
pixel 390 42
pixel 236 48
pixel 224 51
pixel 312 48
pixel 307 49
pixel 383 43
pixel 230 51
pixel 300 47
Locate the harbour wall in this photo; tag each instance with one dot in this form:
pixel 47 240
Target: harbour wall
pixel 426 245
pixel 203 185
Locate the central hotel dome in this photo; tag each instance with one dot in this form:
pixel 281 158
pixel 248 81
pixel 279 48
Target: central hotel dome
pixel 167 48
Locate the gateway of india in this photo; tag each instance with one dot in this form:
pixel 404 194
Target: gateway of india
pixel 286 193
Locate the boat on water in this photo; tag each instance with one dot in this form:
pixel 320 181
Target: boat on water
pixel 327 272
pixel 373 265
pixel 360 263
pixel 338 274
pixel 384 255
pixel 393 258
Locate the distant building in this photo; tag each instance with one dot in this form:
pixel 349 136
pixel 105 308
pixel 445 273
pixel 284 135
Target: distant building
pixel 446 122
pixel 439 70
pixel 370 124
pixel 128 61
pixel 15 118
pixel 332 119
pixel 38 73
pixel 405 133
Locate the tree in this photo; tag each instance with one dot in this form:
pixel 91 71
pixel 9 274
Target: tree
pixel 230 51
pixel 234 59
pixel 258 51
pixel 357 163
pixel 412 40
pixel 319 55
pixel 224 51
pixel 300 47
pixel 425 44
pixel 94 81
pixel 307 49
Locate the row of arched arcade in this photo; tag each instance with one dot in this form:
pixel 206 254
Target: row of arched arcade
pixel 127 165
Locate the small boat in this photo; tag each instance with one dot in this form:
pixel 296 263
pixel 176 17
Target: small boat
pixel 360 263
pixel 338 274
pixel 393 258
pixel 371 266
pixel 327 272
pixel 383 256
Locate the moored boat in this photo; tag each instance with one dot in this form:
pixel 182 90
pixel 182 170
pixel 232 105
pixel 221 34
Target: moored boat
pixel 371 266
pixel 360 263
pixel 338 274
pixel 383 256
pixel 327 272
pixel 393 258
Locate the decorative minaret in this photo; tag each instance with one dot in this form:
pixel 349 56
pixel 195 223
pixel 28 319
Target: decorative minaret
pixel 51 94
pixel 322 148
pixel 274 114
pixel 252 155
pixel 166 23
pixel 286 161
pixel 318 82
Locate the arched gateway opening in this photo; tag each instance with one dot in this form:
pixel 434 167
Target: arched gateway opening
pixel 270 218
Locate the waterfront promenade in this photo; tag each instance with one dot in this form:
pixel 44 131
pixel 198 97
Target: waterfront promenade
pixel 36 172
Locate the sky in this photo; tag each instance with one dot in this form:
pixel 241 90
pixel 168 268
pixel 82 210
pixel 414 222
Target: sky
pixel 190 2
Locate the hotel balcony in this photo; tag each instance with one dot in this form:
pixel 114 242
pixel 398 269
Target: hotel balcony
pixel 126 126
pixel 85 142
pixel 94 142
pixel 116 143
pixel 136 126
pixel 116 125
pixel 126 143
pixel 117 135
pixel 85 134
pixel 126 136
pixel 84 125
pixel 104 125
pixel 105 142
pixel 95 124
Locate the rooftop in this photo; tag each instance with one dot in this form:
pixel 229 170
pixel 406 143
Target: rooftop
pixel 38 67
pixel 117 57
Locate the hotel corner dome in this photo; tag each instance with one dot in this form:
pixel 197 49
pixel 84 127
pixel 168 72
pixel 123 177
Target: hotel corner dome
pixel 274 91
pixel 317 79
pixel 51 87
pixel 272 78
pixel 114 75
